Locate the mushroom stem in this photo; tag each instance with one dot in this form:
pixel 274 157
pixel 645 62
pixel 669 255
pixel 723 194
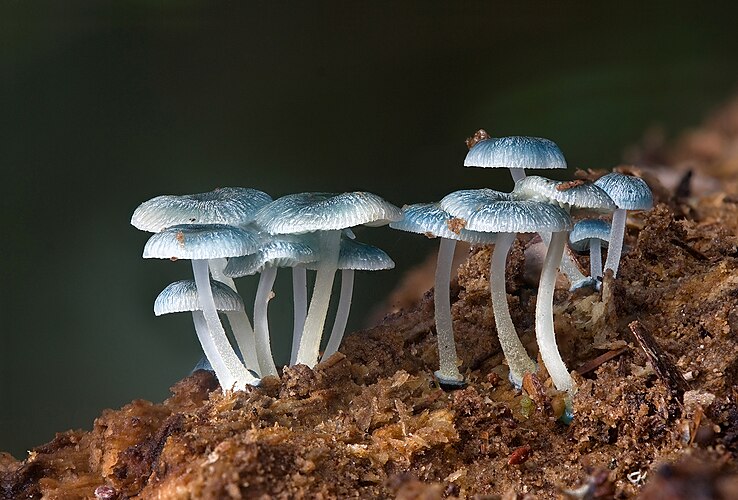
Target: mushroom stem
pixel 239 320
pixel 299 293
pixel 514 350
pixel 342 314
pixel 595 258
pixel 517 174
pixel 229 370
pixel 567 265
pixel 545 334
pixel 448 369
pixel 261 321
pixel 330 244
pixel 617 232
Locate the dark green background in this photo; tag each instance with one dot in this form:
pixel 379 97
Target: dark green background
pixel 106 104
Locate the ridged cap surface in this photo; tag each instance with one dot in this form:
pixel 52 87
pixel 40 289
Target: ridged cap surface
pixel 181 296
pixel 234 206
pixel 307 212
pixel 465 202
pixel 201 241
pixel 275 253
pixel 432 221
pixel 519 216
pixel 588 229
pixel 627 191
pixel 515 152
pixel 360 257
pixel 575 195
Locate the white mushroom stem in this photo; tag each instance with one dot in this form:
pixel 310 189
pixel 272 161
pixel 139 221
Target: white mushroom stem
pixel 330 245
pixel 567 264
pixel 514 350
pixel 261 322
pixel 448 361
pixel 595 258
pixel 229 370
pixel 617 232
pixel 239 320
pixel 517 174
pixel 299 294
pixel 545 334
pixel 342 313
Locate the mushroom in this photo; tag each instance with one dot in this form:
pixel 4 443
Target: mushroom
pixel 591 235
pixel 628 193
pixel 434 222
pixel 515 153
pixel 573 196
pixel 276 253
pixel 234 206
pixel 353 256
pixel 199 243
pixel 182 296
pixel 495 212
pixel 325 214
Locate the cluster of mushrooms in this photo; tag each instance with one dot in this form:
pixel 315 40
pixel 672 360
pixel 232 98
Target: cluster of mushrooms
pixel 233 232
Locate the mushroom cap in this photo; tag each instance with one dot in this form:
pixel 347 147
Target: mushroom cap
pixel 578 196
pixel 519 216
pixel 308 212
pixel 627 191
pixel 432 221
pixel 360 257
pixel 586 230
pixel 515 152
pixel 201 241
pixel 275 253
pixel 234 206
pixel 463 203
pixel 181 296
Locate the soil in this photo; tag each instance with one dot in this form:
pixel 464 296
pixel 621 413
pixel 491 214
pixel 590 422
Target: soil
pixel 655 355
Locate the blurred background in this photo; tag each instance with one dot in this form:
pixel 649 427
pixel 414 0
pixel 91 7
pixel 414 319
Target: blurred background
pixel 106 104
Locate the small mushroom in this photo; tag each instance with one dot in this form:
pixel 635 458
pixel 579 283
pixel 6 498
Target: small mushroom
pixel 515 153
pixel 182 296
pixel 327 215
pixel 591 235
pixel 432 221
pixel 353 256
pixel 628 193
pixel 276 253
pixel 199 243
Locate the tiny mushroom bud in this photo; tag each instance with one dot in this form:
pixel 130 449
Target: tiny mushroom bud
pixel 591 235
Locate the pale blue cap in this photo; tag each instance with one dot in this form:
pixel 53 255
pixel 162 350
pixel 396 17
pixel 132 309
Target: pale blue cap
pixel 278 252
pixel 308 212
pixel 201 241
pixel 627 191
pixel 234 206
pixel 575 195
pixel 432 221
pixel 586 230
pixel 465 202
pixel 359 256
pixel 515 152
pixel 182 296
